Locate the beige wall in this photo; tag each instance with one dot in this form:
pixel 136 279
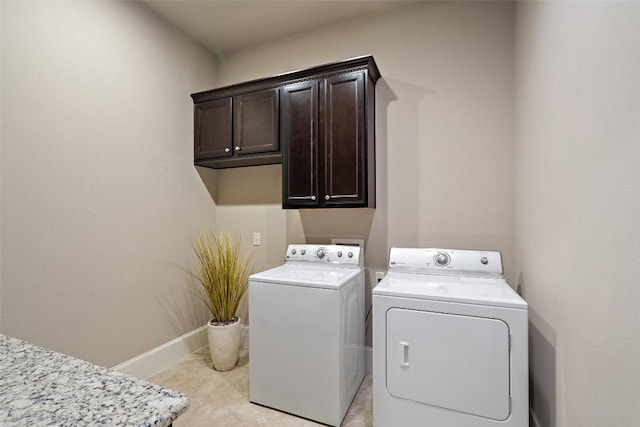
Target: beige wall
pixel 444 132
pixel 0 175
pixel 99 195
pixel 578 207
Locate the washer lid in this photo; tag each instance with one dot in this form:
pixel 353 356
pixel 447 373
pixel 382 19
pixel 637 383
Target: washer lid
pixel 468 290
pixel 328 278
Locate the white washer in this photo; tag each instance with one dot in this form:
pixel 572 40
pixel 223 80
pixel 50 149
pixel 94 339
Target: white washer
pixel 306 332
pixel 450 342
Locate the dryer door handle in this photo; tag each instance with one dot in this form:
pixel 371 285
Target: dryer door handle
pixel 404 354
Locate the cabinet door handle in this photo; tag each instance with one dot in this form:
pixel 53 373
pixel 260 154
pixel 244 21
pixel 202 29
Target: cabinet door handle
pixel 327 197
pixel 226 150
pixel 313 197
pixel 237 148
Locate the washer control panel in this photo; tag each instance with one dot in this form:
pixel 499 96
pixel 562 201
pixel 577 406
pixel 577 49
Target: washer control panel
pixel 447 261
pixel 330 254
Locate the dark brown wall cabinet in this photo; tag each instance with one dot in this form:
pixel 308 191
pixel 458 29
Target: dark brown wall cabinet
pixel 319 122
pixel 239 130
pixel 328 138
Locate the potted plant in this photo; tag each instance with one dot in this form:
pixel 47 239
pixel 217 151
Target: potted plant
pixel 221 278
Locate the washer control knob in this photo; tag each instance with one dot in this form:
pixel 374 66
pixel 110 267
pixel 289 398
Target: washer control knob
pixel 442 259
pixel 302 252
pixel 293 251
pixel 320 253
pixel 339 254
pixel 484 260
pixel 350 254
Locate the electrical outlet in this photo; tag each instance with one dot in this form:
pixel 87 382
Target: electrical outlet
pixel 256 239
pixel 380 275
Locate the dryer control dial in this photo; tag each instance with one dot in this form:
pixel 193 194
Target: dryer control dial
pixel 442 259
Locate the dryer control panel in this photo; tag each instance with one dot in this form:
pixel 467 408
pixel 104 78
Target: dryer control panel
pixel 447 261
pixel 325 254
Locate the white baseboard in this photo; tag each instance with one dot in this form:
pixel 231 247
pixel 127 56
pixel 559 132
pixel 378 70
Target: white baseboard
pixel 165 355
pixel 154 360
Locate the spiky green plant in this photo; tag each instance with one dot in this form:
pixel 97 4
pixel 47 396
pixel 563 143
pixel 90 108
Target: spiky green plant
pixel 221 276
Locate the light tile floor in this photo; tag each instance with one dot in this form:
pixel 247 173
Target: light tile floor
pixel 221 399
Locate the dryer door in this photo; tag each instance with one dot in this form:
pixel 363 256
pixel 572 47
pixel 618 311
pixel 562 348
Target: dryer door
pixel 450 361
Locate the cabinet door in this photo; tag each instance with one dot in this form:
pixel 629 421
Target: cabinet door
pixel 256 122
pixel 213 137
pixel 300 138
pixel 343 144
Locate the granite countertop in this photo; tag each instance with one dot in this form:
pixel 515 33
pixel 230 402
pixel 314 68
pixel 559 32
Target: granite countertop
pixel 39 387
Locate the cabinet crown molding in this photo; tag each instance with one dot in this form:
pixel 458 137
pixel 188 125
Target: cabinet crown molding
pixel 365 62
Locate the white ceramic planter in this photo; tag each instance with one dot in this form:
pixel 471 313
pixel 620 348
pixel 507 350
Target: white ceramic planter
pixel 224 345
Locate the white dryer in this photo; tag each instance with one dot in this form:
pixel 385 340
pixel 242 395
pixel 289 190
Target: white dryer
pixel 450 342
pixel 306 332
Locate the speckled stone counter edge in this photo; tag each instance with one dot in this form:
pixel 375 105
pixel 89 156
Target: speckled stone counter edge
pixel 40 387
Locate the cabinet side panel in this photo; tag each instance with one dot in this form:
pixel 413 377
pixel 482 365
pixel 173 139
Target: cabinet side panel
pixel 370 137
